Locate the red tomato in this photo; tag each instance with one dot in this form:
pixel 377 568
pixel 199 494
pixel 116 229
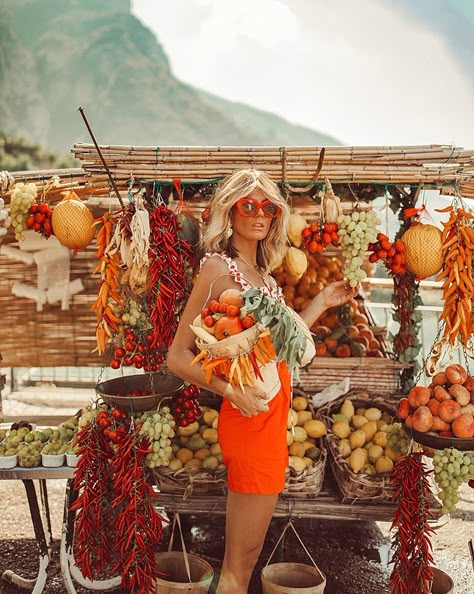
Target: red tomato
pixel 30 221
pixel 209 321
pixel 248 322
pixel 214 306
pixel 116 413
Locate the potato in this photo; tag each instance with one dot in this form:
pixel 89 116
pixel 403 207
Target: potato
pixel 357 459
pixel 307 461
pixel 296 449
pixel 202 453
pixel 375 452
pixel 210 435
pixel 296 463
pixel 215 449
pixel 380 438
pixel 184 454
pixel 303 416
pixel 308 443
pixel 292 418
pixel 384 464
pixel 175 464
pixel 341 429
pixel 357 439
pixel 347 408
pixel 211 463
pixel 315 428
pixel 289 438
pixel 391 453
pixel 299 403
pixel 360 411
pixel 210 415
pixel 368 469
pixel 193 463
pixel 359 420
pixel 344 448
pixel 313 453
pixel 370 429
pixel 299 434
pixel 373 414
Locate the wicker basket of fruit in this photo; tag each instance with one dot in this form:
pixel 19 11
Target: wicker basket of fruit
pixel 359 433
pixel 196 465
pixel 307 453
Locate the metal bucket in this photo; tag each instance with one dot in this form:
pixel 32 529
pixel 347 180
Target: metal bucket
pixel 292 578
pixel 162 385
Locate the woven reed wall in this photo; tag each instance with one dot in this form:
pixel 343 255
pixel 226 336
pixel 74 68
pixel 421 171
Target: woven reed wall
pixel 50 337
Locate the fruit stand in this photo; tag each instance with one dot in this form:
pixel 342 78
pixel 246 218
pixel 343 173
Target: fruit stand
pixel 130 268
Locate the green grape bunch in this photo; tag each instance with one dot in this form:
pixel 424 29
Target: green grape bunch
pixel 451 469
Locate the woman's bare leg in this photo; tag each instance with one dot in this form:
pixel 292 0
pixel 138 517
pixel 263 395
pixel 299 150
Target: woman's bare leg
pixel 247 519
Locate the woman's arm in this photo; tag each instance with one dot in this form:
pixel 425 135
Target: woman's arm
pixel 334 295
pixel 212 280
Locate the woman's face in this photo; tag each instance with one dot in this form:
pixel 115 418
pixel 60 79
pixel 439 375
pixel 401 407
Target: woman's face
pixel 252 228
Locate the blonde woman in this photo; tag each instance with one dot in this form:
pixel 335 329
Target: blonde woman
pixel 245 239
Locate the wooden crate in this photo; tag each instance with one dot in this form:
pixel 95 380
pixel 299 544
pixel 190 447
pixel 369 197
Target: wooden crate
pixel 365 373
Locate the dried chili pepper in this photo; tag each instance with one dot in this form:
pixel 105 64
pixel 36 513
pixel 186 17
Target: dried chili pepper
pixel 411 544
pixel 170 258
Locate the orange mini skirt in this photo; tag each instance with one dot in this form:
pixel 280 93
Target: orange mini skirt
pixel 254 448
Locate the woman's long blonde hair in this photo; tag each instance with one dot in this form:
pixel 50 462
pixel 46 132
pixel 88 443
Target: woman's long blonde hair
pixel 271 250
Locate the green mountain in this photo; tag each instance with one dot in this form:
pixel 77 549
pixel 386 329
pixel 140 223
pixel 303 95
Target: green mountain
pixel 58 55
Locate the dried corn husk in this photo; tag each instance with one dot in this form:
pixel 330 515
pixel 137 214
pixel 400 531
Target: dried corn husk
pixel 330 204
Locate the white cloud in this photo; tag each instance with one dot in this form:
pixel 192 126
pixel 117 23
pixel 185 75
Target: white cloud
pixel 356 70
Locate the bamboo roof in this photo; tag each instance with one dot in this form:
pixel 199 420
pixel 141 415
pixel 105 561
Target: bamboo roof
pixel 447 167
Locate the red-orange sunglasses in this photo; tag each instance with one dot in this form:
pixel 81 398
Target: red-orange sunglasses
pixel 248 207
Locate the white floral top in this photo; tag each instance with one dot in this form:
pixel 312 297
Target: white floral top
pixel 275 292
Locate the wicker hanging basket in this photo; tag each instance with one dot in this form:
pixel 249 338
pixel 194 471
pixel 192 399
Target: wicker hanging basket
pixel 73 222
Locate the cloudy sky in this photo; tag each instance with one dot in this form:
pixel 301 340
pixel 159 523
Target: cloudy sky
pixel 367 72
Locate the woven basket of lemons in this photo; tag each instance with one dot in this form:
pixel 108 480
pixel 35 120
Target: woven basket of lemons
pixel 73 222
pixel 423 253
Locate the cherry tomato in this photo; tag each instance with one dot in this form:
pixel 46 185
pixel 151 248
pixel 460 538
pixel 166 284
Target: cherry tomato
pixel 153 367
pixel 119 352
pixel 129 346
pixel 214 306
pixel 30 221
pixel 223 307
pixel 209 321
pixel 33 209
pixel 178 410
pixel 127 360
pixel 115 364
pixel 205 312
pixel 160 359
pixel 116 413
pixel 184 422
pixel 138 365
pixel 187 392
pixel 141 348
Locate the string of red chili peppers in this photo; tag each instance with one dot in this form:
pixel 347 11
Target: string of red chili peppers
pixel 93 506
pixel 412 558
pixel 168 285
pixel 139 527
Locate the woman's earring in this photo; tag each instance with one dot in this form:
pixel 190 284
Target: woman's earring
pixel 229 230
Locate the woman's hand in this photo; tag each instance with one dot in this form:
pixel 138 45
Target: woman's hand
pixel 250 403
pixel 337 293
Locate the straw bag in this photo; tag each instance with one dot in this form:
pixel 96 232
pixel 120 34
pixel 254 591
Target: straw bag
pixel 242 344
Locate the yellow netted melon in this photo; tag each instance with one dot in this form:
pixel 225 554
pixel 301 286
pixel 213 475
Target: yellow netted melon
pixel 296 262
pixel 423 245
pixel 72 222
